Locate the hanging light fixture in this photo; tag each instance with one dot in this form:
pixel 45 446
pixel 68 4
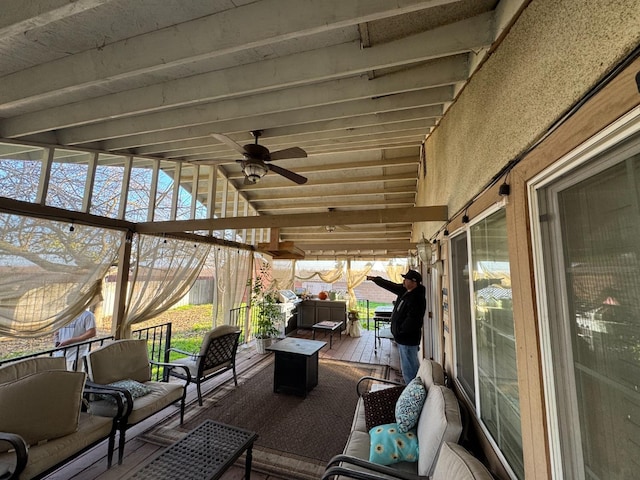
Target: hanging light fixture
pixel 254 171
pixel 424 250
pixel 330 228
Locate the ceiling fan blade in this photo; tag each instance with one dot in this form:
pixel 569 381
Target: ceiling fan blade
pixel 229 143
pixel 293 152
pixel 294 177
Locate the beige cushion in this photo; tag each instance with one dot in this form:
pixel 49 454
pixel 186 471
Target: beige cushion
pixel 43 405
pixel 44 456
pixel 120 360
pixel 359 421
pixel 439 422
pixel 15 370
pixel 162 394
pixel 431 373
pixel 455 462
pixel 216 332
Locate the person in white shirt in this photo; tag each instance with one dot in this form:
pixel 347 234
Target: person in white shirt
pixel 81 329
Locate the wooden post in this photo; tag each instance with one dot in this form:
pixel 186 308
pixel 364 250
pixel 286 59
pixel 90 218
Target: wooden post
pixel 118 329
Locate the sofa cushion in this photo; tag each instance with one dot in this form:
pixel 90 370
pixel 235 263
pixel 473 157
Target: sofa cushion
pixel 431 373
pixel 15 370
pixel 120 360
pixel 389 445
pixel 380 406
pixel 409 405
pixel 161 395
pixel 455 462
pixel 440 422
pixel 53 452
pixel 136 389
pixel 43 405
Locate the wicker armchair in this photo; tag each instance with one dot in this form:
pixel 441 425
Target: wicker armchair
pixel 217 355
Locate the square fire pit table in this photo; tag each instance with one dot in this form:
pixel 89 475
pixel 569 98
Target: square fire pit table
pixel 295 365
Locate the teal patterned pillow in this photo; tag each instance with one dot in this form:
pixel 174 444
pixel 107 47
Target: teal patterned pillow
pixel 136 389
pixel 409 405
pixel 389 445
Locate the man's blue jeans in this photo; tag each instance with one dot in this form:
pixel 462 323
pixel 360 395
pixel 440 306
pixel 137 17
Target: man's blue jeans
pixel 409 362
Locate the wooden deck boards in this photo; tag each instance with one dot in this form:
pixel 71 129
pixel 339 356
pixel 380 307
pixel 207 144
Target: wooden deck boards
pixel 91 465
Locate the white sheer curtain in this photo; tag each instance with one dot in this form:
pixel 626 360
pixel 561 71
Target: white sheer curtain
pixel 283 274
pixel 163 271
pixel 329 276
pixel 51 272
pixel 356 274
pixel 233 271
pixel 394 272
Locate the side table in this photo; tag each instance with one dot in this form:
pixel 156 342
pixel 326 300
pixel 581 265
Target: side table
pixel 327 326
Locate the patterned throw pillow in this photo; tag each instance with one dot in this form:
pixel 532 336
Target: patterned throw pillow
pixel 409 405
pixel 389 445
pixel 136 389
pixel 380 406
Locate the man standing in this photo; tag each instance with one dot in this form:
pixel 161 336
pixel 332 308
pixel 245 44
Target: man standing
pixel 79 330
pixel 406 319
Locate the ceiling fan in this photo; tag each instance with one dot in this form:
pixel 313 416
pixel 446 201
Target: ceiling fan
pixel 256 159
pixel 330 228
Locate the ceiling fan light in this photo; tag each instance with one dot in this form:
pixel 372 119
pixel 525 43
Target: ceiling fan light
pixel 254 171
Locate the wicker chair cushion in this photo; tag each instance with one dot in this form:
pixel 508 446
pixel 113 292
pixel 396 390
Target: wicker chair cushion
pixel 43 405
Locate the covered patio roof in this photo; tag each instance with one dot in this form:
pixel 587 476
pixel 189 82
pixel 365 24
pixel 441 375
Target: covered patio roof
pixel 358 85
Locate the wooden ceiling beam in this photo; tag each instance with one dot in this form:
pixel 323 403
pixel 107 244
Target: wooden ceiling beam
pixel 386 215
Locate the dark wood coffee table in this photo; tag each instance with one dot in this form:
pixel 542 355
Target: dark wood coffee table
pixel 204 454
pixel 295 365
pixel 327 327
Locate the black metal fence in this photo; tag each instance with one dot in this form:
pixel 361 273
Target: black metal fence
pixel 158 339
pixel 238 318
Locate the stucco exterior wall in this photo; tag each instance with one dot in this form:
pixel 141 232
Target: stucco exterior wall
pixel 554 54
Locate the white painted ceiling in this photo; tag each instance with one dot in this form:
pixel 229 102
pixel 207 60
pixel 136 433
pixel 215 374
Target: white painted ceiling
pixel 357 84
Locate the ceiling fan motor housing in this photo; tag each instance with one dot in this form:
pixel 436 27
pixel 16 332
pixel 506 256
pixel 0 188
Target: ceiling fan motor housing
pixel 253 151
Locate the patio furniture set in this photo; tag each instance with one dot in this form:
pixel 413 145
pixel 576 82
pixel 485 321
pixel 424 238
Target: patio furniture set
pixel 58 414
pixel 116 392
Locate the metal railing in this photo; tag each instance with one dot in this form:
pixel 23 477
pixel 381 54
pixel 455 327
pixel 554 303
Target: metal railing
pixel 158 339
pixel 238 318
pixel 62 352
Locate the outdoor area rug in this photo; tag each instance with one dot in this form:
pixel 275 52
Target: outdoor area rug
pixel 297 436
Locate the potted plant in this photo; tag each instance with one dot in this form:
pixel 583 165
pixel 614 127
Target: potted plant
pixel 265 300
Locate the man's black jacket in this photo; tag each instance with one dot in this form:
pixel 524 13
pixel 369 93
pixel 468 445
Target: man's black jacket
pixel 408 311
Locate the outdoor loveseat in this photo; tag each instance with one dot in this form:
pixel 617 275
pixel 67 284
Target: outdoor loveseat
pixel 124 366
pixel 42 423
pixel 438 427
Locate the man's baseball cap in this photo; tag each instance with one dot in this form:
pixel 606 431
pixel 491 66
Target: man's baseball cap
pixel 413 275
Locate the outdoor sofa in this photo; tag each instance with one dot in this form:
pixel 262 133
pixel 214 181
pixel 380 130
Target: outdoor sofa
pixel 42 423
pixel 438 428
